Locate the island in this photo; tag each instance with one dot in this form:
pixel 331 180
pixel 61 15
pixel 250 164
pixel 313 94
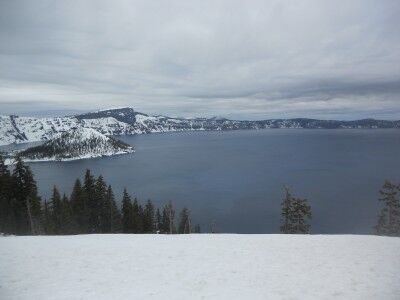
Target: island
pixel 76 143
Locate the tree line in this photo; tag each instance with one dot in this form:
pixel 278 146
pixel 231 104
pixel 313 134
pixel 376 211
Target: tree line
pixel 90 208
pixel 296 212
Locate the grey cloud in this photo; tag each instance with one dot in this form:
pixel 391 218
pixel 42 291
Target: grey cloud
pixel 239 59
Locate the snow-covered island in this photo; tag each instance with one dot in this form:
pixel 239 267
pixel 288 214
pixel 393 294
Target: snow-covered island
pixel 199 266
pixel 74 144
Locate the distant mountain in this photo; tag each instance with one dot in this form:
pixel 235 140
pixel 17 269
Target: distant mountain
pixel 77 143
pixel 124 115
pixel 126 121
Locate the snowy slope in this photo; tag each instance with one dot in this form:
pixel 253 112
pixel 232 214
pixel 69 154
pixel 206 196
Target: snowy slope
pixel 200 267
pixel 77 143
pixel 8 133
pixel 109 126
pixel 14 129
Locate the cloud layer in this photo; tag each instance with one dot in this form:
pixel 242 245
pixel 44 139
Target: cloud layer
pixel 240 59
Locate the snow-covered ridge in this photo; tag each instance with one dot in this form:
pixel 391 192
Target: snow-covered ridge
pixel 14 129
pixel 77 143
pixel 126 121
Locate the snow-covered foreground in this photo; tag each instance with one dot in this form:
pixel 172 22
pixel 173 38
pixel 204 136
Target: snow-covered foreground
pixel 200 267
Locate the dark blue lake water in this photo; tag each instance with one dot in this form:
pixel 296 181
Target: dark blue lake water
pixel 235 178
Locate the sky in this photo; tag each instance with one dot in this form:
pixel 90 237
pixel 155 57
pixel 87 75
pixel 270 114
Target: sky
pixel 236 59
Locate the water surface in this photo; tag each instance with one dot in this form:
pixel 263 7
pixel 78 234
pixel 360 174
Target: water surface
pixel 235 178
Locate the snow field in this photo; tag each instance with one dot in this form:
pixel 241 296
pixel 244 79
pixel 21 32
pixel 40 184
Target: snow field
pixel 200 266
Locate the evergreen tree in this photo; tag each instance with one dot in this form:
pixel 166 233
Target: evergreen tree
pixel 3 168
pixel 47 220
pixel 69 225
pixel 168 219
pixel 79 207
pixel 89 195
pixel 295 213
pixel 27 208
pixel 301 211
pixel 164 224
pixel 91 208
pixel 127 213
pixel 389 217
pixel 184 222
pixel 148 218
pixel 137 217
pixel 113 216
pixel 7 203
pixel 141 219
pixel 102 210
pixel 286 211
pixel 159 224
pixel 56 211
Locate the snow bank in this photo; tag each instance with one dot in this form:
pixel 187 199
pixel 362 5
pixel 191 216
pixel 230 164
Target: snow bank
pixel 200 267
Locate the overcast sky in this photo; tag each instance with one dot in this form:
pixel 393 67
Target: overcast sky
pixel 238 59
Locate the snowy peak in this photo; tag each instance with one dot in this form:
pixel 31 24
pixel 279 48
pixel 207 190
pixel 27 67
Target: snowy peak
pixel 109 126
pixel 125 114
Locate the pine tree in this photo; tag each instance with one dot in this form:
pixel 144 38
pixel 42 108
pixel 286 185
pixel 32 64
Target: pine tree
pixel 127 213
pixel 69 225
pixel 164 224
pixel 90 208
pixel 389 217
pixel 56 211
pixel 148 219
pixel 141 219
pixel 184 222
pixel 301 212
pixel 27 208
pixel 286 211
pixel 102 211
pixel 92 205
pixel 113 216
pixel 47 220
pixel 79 207
pixel 137 217
pixel 295 213
pixel 159 223
pixel 7 203
pixel 168 219
pixel 3 168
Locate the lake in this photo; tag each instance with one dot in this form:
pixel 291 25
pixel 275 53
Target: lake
pixel 235 179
